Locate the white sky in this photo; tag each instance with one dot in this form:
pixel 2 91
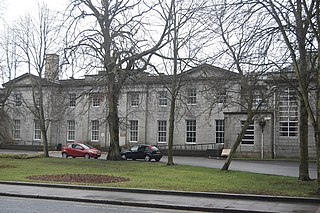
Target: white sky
pixel 13 9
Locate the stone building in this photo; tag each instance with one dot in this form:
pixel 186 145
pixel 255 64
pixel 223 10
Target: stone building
pixel 208 113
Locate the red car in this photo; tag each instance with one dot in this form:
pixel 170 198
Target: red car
pixel 80 150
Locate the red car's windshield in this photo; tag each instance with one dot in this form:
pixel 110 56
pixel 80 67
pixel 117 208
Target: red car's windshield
pixel 87 146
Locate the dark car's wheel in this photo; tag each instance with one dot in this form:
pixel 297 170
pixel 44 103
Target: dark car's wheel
pixel 157 160
pixel 124 157
pixel 65 155
pixel 147 158
pixel 86 156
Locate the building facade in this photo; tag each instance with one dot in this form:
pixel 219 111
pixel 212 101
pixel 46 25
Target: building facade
pixel 208 114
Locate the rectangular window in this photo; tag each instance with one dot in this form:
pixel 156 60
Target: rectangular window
pixel 18 99
pixel 134 99
pixel 288 113
pixel 71 130
pixel 94 130
pixel 191 96
pixel 72 100
pixel 249 135
pixel 133 131
pixel 163 100
pixel 222 97
pixel 16 129
pixel 191 131
pixel 37 130
pixel 162 131
pixel 219 131
pixel 37 99
pixel 95 100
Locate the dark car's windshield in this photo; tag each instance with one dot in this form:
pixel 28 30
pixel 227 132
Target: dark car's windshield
pixel 153 148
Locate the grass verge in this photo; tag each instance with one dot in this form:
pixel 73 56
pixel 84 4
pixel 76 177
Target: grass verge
pixel 155 175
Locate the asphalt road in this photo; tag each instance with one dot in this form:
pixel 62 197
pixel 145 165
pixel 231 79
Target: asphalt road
pixel 275 167
pixel 29 205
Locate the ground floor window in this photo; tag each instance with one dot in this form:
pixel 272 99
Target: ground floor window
pixel 249 135
pixel 219 131
pixel 16 129
pixel 191 131
pixel 162 131
pixel 71 130
pixel 133 131
pixel 288 113
pixel 95 130
pixel 37 130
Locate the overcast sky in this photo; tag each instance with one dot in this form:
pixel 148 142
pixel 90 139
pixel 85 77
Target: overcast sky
pixel 13 9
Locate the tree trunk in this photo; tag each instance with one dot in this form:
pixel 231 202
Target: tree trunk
pixel 235 146
pixel 113 121
pixel 171 131
pixel 304 156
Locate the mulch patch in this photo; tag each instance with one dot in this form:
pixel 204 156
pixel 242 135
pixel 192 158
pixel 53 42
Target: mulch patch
pixel 79 178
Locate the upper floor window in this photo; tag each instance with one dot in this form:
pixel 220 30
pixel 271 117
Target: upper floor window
pixel 18 99
pixel 37 99
pixel 16 129
pixel 191 131
pixel 249 134
pixel 222 97
pixel 72 100
pixel 219 131
pixel 288 113
pixel 96 100
pixel 163 100
pixel 191 96
pixel 134 99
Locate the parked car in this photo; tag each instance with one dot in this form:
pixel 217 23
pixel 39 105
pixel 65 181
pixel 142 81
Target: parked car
pixel 146 152
pixel 80 150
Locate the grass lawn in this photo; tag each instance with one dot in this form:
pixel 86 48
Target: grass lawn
pixel 156 175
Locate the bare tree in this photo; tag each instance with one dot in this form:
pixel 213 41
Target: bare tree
pixel 298 23
pixel 114 36
pixel 243 45
pixel 35 39
pixel 9 65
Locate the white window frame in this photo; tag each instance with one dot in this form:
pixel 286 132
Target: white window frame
pixel 95 130
pixel 248 138
pixel 220 131
pixel 18 99
pixel 191 131
pixel 162 131
pixel 192 96
pixel 288 113
pixel 135 99
pixel 36 130
pixel 72 100
pixel 16 131
pixel 133 131
pixel 163 98
pixel 96 99
pixel 71 132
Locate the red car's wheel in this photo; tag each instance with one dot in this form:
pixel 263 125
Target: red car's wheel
pixel 86 156
pixel 65 155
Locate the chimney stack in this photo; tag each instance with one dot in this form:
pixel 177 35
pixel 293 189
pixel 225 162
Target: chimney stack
pixel 52 67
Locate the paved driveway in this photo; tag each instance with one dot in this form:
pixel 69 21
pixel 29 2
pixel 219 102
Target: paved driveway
pixel 276 167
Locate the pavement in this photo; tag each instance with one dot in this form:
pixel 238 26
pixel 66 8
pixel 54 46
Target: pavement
pixel 187 201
